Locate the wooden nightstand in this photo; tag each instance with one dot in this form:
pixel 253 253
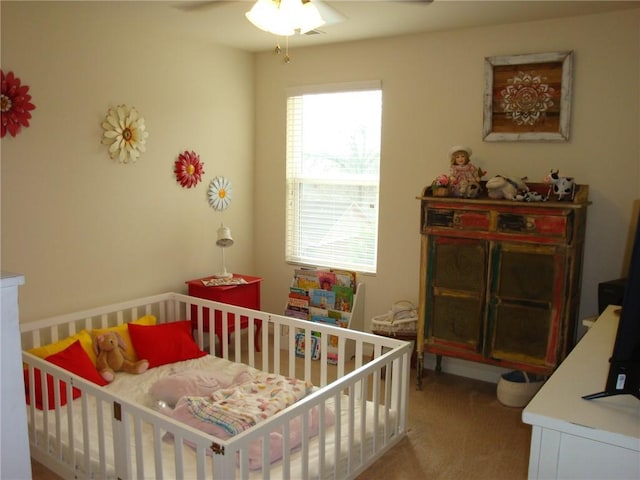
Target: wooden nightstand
pixel 245 295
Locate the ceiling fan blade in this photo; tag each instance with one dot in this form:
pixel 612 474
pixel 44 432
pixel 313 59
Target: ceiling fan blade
pixel 196 6
pixel 330 15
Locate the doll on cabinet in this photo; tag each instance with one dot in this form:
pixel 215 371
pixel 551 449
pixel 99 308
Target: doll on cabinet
pixel 465 176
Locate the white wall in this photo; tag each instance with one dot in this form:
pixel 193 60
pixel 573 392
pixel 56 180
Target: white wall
pixel 82 228
pixel 433 88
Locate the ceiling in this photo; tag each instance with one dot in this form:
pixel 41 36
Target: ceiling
pixel 224 22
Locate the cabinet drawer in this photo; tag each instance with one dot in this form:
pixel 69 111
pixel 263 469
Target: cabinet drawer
pixel 458 219
pixel 557 226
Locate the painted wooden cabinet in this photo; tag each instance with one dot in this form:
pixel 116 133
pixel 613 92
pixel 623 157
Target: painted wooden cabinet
pixel 500 279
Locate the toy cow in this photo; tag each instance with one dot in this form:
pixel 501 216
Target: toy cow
pixel 561 186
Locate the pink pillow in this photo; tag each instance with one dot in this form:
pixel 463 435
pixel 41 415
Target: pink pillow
pixel 74 359
pixel 164 343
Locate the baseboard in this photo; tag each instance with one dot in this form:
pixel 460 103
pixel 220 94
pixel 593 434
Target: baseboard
pixel 464 368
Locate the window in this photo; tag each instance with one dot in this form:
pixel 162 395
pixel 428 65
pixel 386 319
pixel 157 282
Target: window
pixel 333 174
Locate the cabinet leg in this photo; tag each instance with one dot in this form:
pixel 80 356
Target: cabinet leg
pixel 420 373
pixel 438 363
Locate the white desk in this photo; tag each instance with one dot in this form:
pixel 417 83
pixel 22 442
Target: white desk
pixel 574 438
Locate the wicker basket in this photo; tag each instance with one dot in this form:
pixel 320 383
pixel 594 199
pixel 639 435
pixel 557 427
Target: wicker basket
pixel 516 389
pixel 402 319
pixel 440 191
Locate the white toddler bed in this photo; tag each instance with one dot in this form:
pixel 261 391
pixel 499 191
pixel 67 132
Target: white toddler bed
pixel 356 410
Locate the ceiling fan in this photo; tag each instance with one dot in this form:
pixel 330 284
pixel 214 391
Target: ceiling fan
pixel 329 15
pixel 285 18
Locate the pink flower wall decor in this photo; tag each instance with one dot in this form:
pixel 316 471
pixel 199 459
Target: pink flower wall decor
pixel 188 169
pixel 15 105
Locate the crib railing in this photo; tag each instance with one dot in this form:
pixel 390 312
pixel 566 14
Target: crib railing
pixel 375 380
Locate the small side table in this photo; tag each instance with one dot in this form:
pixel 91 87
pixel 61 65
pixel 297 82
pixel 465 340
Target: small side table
pixel 245 295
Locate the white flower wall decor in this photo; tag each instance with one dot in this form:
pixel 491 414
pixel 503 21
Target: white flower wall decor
pixel 219 193
pixel 125 133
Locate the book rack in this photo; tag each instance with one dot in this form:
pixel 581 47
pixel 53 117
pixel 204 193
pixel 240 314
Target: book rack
pixel 326 296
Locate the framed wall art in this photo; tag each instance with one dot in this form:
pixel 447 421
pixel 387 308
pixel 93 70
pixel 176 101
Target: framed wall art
pixel 528 97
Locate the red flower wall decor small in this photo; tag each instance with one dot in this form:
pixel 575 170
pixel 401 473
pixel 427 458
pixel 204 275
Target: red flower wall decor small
pixel 188 169
pixel 15 104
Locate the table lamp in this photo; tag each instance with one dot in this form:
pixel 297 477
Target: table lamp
pixel 224 240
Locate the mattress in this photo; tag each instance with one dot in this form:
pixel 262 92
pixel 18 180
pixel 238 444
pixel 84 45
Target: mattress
pixel 136 388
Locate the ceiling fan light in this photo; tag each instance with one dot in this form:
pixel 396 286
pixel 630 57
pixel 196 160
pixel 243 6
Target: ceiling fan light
pixel 266 15
pixel 310 18
pixel 285 17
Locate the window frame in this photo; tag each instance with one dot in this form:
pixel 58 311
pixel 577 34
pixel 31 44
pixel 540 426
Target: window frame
pixel 294 181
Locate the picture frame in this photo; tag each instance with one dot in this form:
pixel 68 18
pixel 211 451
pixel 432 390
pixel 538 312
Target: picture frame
pixel 528 97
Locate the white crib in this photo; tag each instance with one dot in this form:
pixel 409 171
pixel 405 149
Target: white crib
pixel 107 433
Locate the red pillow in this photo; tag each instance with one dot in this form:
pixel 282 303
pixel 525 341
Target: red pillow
pixel 74 359
pixel 164 343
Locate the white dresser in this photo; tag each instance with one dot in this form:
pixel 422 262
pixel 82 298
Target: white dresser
pixel 573 438
pixel 15 461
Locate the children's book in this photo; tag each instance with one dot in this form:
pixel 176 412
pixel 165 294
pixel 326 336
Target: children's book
pixel 322 298
pixel 300 314
pixel 318 312
pixel 346 278
pixel 344 298
pixel 306 279
pixel 300 301
pixel 327 279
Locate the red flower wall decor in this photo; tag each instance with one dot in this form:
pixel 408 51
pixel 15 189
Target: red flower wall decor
pixel 188 169
pixel 15 104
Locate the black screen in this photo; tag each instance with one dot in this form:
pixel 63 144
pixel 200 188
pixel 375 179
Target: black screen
pixel 624 369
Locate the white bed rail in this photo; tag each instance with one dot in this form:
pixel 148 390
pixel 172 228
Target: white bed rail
pixel 375 380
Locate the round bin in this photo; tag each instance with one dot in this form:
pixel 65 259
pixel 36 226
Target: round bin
pixel 516 389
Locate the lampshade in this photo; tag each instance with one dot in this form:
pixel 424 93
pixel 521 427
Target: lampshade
pixel 224 237
pixel 285 17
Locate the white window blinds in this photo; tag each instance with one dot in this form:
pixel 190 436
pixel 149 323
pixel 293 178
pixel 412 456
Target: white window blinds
pixel 333 171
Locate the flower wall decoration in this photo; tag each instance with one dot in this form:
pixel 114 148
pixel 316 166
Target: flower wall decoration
pixel 527 98
pixel 125 133
pixel 220 193
pixel 188 169
pixel 15 104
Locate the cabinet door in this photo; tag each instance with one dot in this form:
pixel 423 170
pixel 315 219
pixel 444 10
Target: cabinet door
pixel 525 299
pixel 456 286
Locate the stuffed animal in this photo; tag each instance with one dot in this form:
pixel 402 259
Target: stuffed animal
pixel 506 187
pixel 561 186
pixel 109 348
pixel 530 197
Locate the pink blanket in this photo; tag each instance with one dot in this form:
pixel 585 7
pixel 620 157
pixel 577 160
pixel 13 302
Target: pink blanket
pixel 229 411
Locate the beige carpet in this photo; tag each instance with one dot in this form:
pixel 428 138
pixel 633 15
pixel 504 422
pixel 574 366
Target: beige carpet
pixel 457 430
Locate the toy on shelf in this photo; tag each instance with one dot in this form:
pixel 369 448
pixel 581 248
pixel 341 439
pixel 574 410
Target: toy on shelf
pixel 505 187
pixel 441 186
pixel 561 186
pixel 465 176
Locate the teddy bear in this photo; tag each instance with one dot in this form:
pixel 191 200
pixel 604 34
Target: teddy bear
pixel 109 348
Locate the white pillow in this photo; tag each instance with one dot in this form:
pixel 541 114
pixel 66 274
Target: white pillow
pixel 195 383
